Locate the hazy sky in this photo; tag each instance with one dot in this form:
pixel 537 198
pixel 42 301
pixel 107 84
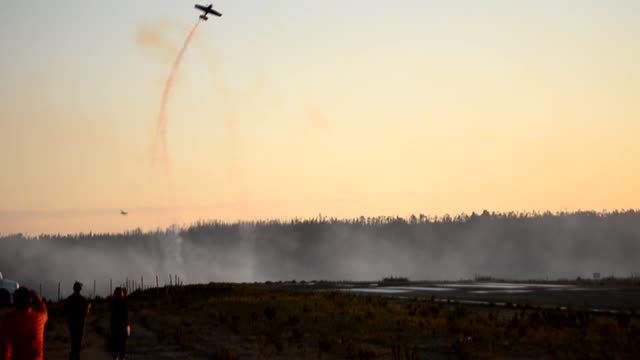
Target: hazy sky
pixel 288 108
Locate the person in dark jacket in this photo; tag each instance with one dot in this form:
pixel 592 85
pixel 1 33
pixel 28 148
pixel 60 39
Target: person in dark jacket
pixel 76 307
pixel 119 323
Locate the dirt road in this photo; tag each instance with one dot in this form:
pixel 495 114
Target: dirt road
pixel 95 347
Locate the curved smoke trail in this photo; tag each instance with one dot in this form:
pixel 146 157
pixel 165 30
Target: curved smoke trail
pixel 160 139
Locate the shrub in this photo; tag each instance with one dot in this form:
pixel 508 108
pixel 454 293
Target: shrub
pixel 362 353
pixel 623 319
pixel 324 344
pixel 270 312
pixel 224 353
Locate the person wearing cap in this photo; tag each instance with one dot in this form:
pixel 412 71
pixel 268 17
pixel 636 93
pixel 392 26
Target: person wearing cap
pixel 76 307
pixel 22 331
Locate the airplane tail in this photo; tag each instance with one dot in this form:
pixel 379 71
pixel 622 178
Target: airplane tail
pixel 204 17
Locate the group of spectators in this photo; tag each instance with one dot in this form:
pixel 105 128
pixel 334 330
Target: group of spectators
pixel 22 330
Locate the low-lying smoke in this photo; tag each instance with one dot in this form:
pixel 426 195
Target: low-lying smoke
pixel 501 245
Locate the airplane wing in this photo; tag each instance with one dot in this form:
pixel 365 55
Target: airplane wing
pixel 203 8
pixel 214 12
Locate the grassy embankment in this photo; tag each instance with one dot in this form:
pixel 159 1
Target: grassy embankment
pixel 232 321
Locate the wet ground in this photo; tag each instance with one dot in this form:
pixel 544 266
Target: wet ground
pixel 498 292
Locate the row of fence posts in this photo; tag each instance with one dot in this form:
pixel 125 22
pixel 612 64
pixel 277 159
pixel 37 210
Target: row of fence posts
pixel 131 285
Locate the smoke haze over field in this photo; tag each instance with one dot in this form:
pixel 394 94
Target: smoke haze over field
pixel 502 245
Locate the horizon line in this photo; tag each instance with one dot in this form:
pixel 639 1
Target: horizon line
pixel 320 218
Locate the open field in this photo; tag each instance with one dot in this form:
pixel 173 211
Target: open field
pixel 266 321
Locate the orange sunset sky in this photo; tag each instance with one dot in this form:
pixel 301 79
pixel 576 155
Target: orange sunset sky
pixel 291 108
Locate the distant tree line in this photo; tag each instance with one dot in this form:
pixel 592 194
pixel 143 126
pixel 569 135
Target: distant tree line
pixel 510 245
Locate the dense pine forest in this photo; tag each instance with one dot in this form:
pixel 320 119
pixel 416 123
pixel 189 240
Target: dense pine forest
pixel 508 245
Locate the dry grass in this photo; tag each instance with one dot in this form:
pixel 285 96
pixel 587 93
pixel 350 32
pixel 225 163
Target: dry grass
pixel 241 322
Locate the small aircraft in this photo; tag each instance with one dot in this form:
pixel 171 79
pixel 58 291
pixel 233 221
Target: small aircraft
pixel 207 10
pixel 124 213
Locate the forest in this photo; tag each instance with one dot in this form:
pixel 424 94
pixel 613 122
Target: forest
pixel 546 246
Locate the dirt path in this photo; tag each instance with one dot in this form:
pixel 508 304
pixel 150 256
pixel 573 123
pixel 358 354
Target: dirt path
pixel 95 347
pixel 56 346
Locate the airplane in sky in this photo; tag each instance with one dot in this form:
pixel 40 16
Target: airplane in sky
pixel 207 10
pixel 124 213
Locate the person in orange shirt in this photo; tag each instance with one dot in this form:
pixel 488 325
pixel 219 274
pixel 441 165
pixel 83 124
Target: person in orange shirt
pixel 22 331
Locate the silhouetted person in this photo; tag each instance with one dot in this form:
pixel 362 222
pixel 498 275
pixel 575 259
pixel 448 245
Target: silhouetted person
pixel 22 331
pixel 125 295
pixel 119 323
pixel 77 308
pixel 5 298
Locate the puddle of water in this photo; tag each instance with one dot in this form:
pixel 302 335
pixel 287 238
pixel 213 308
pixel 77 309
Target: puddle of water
pixel 376 291
pixel 485 285
pixel 572 289
pixel 584 289
pixel 516 291
pixel 420 288
pixel 506 286
pixel 550 286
